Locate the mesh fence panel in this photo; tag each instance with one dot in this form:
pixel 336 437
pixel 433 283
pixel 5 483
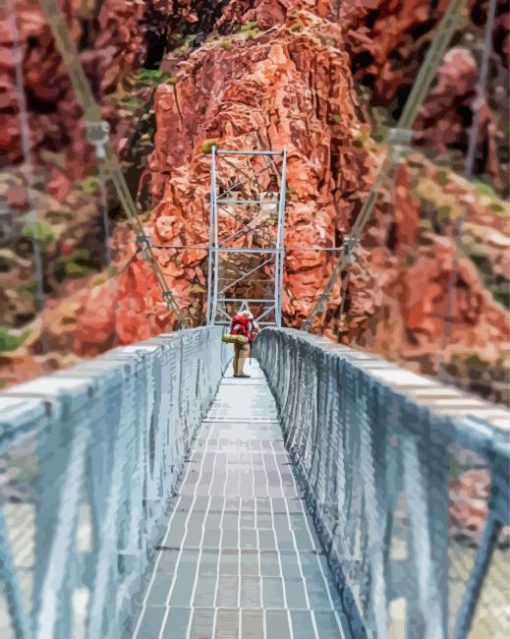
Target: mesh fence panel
pixel 411 504
pixel 88 461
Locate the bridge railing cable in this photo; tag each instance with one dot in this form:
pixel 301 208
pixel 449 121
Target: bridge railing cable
pixel 407 482
pixel 89 461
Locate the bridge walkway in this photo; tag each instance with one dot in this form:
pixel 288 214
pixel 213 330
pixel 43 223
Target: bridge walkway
pixel 240 557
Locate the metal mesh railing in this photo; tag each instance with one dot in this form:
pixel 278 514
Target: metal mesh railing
pixel 411 504
pixel 88 461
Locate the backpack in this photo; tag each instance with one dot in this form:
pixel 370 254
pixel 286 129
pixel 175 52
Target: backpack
pixel 241 325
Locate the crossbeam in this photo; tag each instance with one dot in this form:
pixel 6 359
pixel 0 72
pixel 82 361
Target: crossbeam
pixel 275 202
pixel 225 249
pixel 252 300
pixel 254 152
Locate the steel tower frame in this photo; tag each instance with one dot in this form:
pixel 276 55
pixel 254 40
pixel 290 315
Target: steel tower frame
pixel 221 304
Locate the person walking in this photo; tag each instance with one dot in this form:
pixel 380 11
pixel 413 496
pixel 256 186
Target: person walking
pixel 242 324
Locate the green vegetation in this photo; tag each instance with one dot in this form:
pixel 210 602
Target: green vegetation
pixel 196 289
pixel 445 207
pixel 183 50
pixel 191 40
pixel 444 213
pixel 443 175
pixel 90 185
pixel 410 260
pixel 498 208
pixel 152 75
pixel 361 139
pixel 250 29
pixel 296 27
pixel 425 225
pixel 131 102
pixel 249 26
pixel 207 147
pixel 59 217
pixel 74 266
pixel 381 133
pixel 10 340
pixel 28 288
pixel 336 118
pixel 41 232
pixel 470 366
pixel 226 44
pixel 485 189
pixel 496 284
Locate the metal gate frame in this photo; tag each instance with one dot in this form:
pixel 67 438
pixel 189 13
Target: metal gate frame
pixel 218 302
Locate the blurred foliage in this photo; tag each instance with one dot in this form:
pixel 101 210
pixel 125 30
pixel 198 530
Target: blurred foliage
pixel 207 146
pixel 10 339
pixel 78 264
pixel 40 231
pixel 152 75
pixel 476 375
pixel 297 26
pixel 248 26
pixel 90 185
pixel 196 289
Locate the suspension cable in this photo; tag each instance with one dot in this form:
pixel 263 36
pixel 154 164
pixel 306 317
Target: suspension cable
pixel 480 96
pixel 31 218
pixel 97 134
pixel 352 247
pixel 401 134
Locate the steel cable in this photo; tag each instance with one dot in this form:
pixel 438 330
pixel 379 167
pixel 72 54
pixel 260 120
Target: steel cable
pixel 414 102
pixel 96 132
pixel 478 100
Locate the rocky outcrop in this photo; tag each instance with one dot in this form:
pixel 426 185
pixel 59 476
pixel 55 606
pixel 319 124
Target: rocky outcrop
pixel 59 179
pixel 433 306
pixel 387 43
pixel 290 87
pixel 331 161
pixel 114 37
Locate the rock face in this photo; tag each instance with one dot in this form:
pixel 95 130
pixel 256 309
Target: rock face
pixel 290 88
pixel 399 290
pixel 454 93
pixel 111 39
pixel 274 74
pixel 55 174
pixel 387 41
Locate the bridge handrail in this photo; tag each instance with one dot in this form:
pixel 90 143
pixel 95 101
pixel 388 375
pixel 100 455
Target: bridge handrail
pixel 386 459
pixel 100 447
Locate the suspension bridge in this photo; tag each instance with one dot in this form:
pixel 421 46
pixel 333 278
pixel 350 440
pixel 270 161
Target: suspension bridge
pixel 147 493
